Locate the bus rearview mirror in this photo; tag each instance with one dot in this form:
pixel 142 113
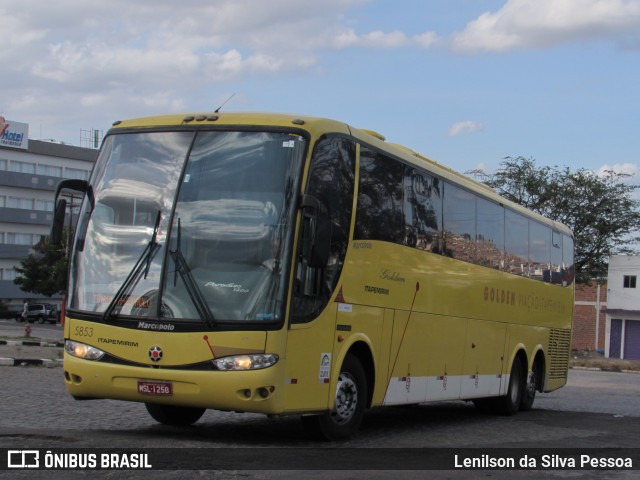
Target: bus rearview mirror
pixel 316 232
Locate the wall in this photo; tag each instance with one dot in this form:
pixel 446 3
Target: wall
pixel 585 317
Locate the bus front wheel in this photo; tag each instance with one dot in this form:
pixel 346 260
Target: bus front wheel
pixel 349 405
pixel 173 415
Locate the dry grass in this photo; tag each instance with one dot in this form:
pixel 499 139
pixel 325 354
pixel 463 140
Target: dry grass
pixel 591 359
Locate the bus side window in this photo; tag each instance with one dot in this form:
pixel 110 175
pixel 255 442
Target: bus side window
pixel 539 251
pixel 380 214
pixel 568 271
pixel 331 181
pixel 556 258
pixel 516 243
pixel 422 210
pixel 490 234
pixel 459 223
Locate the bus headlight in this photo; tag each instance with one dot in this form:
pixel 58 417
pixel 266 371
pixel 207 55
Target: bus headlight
pixel 246 362
pixel 81 350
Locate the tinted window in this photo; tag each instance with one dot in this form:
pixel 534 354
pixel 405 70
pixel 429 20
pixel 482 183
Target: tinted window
pixel 567 260
pixel 556 258
pixel 380 213
pixel 459 223
pixel 516 243
pixel 539 251
pixel 490 234
pixel 331 181
pixel 423 210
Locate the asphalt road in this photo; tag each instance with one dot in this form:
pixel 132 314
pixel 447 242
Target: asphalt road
pixel 595 410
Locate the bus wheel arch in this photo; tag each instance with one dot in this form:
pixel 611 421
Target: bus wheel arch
pixel 362 352
pixel 510 403
pixel 350 402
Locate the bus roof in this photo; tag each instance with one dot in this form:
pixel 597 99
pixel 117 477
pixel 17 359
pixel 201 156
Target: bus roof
pixel 317 126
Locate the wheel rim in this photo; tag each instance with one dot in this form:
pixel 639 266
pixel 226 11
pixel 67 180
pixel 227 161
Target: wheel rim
pixel 531 385
pixel 346 399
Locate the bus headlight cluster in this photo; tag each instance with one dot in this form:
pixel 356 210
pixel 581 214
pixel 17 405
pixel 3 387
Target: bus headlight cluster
pixel 246 362
pixel 81 350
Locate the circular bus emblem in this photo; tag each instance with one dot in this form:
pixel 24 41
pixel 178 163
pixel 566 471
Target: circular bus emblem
pixel 155 354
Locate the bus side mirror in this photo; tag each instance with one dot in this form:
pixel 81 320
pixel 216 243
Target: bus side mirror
pixel 316 232
pixel 58 222
pixel 81 186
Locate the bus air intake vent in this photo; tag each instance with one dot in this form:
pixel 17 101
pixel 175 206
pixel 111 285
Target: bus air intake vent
pixel 559 349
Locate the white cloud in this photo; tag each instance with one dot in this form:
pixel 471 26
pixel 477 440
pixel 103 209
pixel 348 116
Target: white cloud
pixel 626 168
pixel 379 39
pixel 524 24
pixel 68 55
pixel 467 126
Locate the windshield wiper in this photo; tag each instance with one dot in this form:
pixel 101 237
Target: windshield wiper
pixel 142 265
pixel 182 269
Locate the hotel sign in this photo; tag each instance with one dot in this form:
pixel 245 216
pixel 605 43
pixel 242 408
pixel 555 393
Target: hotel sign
pixel 14 134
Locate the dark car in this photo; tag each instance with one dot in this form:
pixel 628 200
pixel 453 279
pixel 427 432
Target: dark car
pixel 40 312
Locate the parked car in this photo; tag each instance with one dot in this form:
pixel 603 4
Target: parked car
pixel 40 312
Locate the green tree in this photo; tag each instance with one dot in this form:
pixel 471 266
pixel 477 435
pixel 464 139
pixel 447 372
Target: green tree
pixel 44 271
pixel 600 209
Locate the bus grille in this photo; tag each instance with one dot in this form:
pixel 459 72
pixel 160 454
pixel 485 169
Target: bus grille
pixel 559 349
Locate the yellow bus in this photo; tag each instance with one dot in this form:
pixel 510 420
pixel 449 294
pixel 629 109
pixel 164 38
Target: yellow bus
pixel 295 265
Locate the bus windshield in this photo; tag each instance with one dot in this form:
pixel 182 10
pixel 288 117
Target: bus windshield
pixel 188 226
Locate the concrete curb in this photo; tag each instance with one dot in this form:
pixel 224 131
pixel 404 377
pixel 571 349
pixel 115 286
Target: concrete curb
pixel 25 362
pixel 30 343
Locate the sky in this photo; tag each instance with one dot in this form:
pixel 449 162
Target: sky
pixel 464 82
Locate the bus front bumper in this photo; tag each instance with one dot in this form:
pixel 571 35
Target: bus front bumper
pixel 243 391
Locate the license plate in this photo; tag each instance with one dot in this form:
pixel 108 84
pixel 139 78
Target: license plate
pixel 155 388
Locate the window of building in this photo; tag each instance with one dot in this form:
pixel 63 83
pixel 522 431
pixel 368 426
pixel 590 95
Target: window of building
pixel 22 203
pixel 629 281
pixel 49 170
pixel 22 238
pixel 22 167
pixel 76 173
pixel 45 205
pixel 7 274
pixel 3 163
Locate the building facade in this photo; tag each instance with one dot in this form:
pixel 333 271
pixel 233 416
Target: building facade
pixel 29 173
pixel 623 308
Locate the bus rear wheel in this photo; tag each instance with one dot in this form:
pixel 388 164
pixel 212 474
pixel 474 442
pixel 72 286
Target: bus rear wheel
pixel 173 415
pixel 529 391
pixel 349 405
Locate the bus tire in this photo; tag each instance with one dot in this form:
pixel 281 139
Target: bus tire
pixel 174 415
pixel 510 403
pixel 350 402
pixel 529 390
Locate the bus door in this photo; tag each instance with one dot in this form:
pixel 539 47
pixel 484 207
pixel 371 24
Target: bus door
pixel 326 211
